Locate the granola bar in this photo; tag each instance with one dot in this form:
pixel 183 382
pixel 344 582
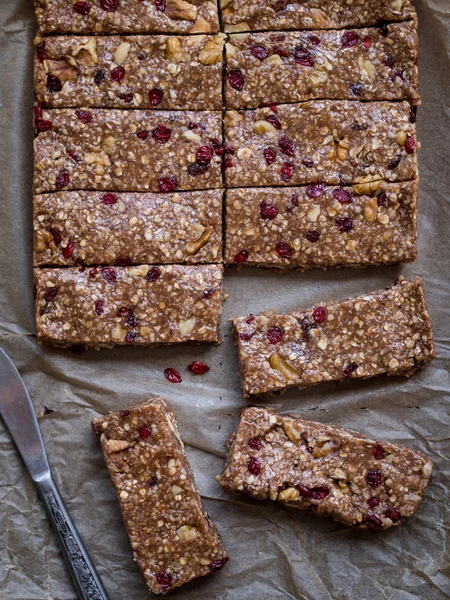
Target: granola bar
pixel 172 536
pixel 126 150
pixel 388 331
pixel 124 72
pixel 130 16
pixel 142 305
pixel 367 64
pixel 331 471
pixel 127 228
pixel 322 226
pixel 335 142
pixel 251 15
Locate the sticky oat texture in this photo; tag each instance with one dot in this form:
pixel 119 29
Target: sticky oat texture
pixel 143 305
pixel 326 469
pixel 322 226
pixel 123 72
pixel 172 537
pixel 388 331
pixel 124 228
pixel 367 64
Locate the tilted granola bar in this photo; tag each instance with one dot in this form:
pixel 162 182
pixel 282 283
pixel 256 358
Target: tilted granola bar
pixel 124 228
pixel 126 150
pixel 172 536
pixel 334 142
pixel 251 15
pixel 143 305
pixel 161 72
pixel 364 64
pixel 322 226
pixel 326 469
pixel 383 332
pixel 126 16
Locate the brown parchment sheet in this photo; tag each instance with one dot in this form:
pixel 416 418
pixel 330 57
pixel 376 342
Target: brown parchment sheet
pixel 276 552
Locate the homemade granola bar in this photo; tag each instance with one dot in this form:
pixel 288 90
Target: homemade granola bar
pixel 124 228
pixel 129 72
pixel 326 469
pixel 126 150
pixel 334 142
pixel 364 64
pixel 322 226
pixel 126 16
pixel 172 536
pixel 143 305
pixel 251 15
pixel 388 331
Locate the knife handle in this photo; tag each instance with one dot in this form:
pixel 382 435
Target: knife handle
pixel 85 577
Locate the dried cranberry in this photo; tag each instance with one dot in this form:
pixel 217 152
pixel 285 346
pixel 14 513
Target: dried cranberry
pixel 367 42
pixel 109 199
pixel 280 5
pixel 153 274
pixel 259 51
pixel 198 368
pixel 373 502
pixel 117 74
pixel 62 179
pixel 167 184
pixel 218 564
pixel 173 375
pixel 109 274
pixel 344 224
pixel 350 369
pixel 270 156
pixel 393 514
pixel 372 522
pixel 43 125
pixel 312 235
pixel 164 578
pixel 145 432
pixel 373 478
pixel 275 334
pixel 142 134
pixel 293 203
pixel 254 465
pixel 314 39
pixel 304 491
pixel 381 199
pixel 389 61
pixel 342 196
pixel 197 168
pixel 319 493
pixel 124 311
pixel 54 84
pixel 57 237
pixel 141 56
pixel 286 171
pixel 208 293
pixel 81 8
pixel 246 337
pixel 99 307
pixel 349 39
pixel 356 89
pixel 109 5
pixel 99 76
pixel 152 481
pixel 413 114
pixel 241 256
pixel 315 190
pixel 161 134
pixel 130 338
pixel 93 272
pixel 155 96
pixel 286 146
pixel 394 162
pixel 236 79
pixel 126 97
pixel 274 121
pixel 204 154
pixel 74 156
pixel 303 56
pixel 282 52
pixel 40 51
pixel 268 211
pixel 125 412
pixel 160 5
pixel 124 261
pixel 319 314
pixel 255 443
pixel 68 250
pixel 378 452
pixel 228 163
pixel 50 294
pixel 284 250
pixel 84 115
pixel 410 144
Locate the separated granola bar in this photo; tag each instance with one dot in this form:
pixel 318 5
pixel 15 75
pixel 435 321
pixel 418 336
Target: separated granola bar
pixel 326 469
pixel 91 228
pixel 172 536
pixel 383 332
pixel 251 15
pixel 334 142
pixel 126 16
pixel 143 305
pixel 161 72
pixel 126 150
pixel 364 64
pixel 322 226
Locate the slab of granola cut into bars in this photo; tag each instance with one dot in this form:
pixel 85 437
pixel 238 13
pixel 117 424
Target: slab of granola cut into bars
pixel 329 141
pixel 331 471
pixel 126 150
pixel 161 72
pixel 172 536
pixel 363 64
pixel 387 331
pixel 124 228
pixel 143 305
pixel 322 226
pixel 126 16
pixel 251 15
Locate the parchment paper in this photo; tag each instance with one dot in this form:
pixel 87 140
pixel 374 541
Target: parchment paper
pixel 276 552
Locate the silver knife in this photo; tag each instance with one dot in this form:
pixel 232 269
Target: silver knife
pixel 16 410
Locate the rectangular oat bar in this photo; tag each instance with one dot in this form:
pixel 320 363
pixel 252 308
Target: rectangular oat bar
pixel 334 142
pixel 143 305
pixel 172 536
pixel 322 226
pixel 260 15
pixel 136 71
pixel 126 150
pixel 72 228
pixel 388 331
pixel 331 471
pixel 126 16
pixel 367 64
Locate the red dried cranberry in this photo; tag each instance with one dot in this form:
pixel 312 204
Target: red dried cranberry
pixel 342 196
pixel 286 171
pixel 274 121
pixel 125 412
pixel 307 162
pixel 154 274
pixel 130 338
pixel 344 224
pixel 117 74
pixel 280 5
pixel 367 42
pixel 312 235
pixel 161 134
pixel 373 478
pixel 40 51
pixel 315 190
pixel 372 522
pixel 250 319
pixel 282 52
pixel 57 237
pixel 373 502
pixel 54 84
pixel 208 293
pixel 143 134
pixel 145 432
pixel 389 61
pixel 160 5
pixel 84 115
pixel 198 368
pixel 228 163
pixel 356 89
pixel 275 334
pixel 350 369
pixel 270 156
pixel 99 76
pixel 155 96
pixel 109 199
pixel 381 199
pixel 124 311
pixel 124 261
pixel 62 179
pixel 304 491
pixel 50 294
pixel 109 5
pixel 303 56
pixel 319 314
pixel 319 493
pixel 394 162
pixel 378 452
pixel 268 211
pixel 284 250
pixel 218 564
pixel 293 203
pixel 236 79
pixel 246 337
pixel 68 250
pixel 259 51
pixel 43 125
pixel 99 307
pixel 286 146
pixel 109 274
pixel 393 514
pixel 126 97
pixel 255 443
pixel 349 39
pixel 314 39
pixel 93 272
pixel 173 375
pixel 197 168
pixel 410 144
pixel 241 256
pixel 74 156
pixel 81 8
pixel 254 465
pixel 164 579
pixel 204 154
pixel 167 184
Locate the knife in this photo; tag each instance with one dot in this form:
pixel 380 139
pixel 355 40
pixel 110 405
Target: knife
pixel 16 410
